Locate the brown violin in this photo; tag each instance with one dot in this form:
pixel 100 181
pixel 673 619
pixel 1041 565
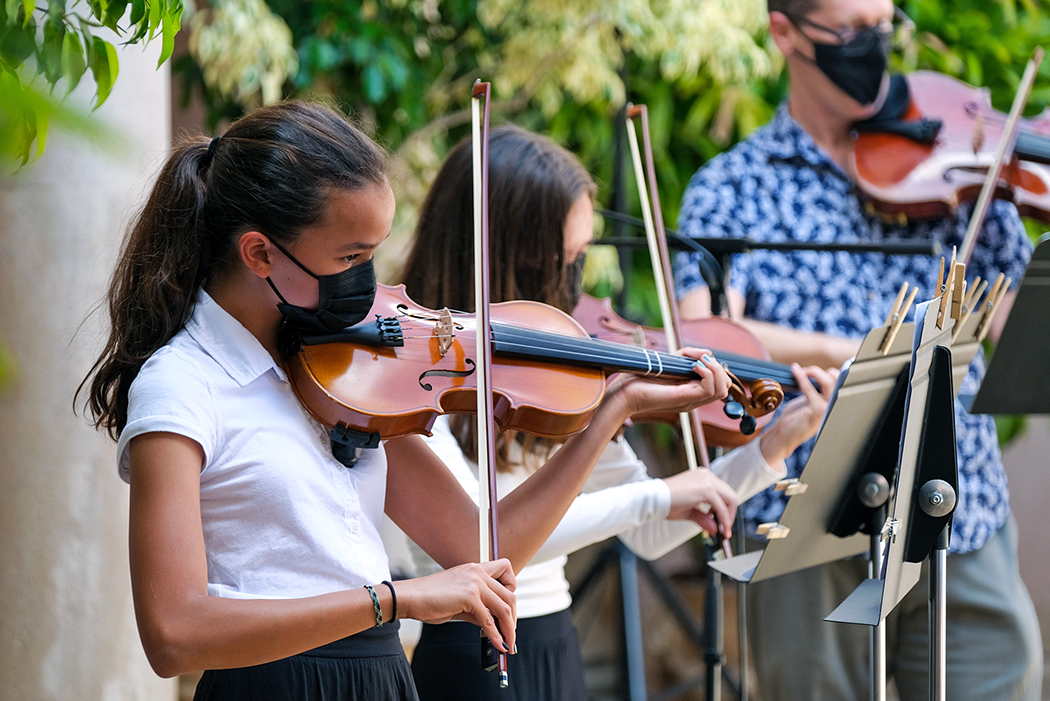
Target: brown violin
pixel 728 340
pixel 393 376
pixel 904 178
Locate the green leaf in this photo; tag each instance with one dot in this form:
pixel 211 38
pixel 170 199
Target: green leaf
pixel 41 133
pixel 114 11
pixel 169 26
pixel 11 7
pixel 104 68
pixel 138 11
pixel 16 46
pixel 30 6
pixel 50 53
pixel 73 63
pixel 154 16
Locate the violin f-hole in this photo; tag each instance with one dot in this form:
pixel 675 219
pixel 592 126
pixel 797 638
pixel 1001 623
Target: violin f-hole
pixel 446 373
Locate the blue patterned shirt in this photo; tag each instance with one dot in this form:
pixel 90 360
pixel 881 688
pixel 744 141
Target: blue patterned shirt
pixel 778 185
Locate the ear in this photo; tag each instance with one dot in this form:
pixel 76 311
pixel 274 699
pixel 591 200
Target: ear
pixel 257 252
pixel 783 32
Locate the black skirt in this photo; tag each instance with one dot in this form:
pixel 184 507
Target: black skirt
pixel 548 667
pixel 369 665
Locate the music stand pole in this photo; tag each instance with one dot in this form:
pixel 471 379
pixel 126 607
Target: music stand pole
pixel 878 633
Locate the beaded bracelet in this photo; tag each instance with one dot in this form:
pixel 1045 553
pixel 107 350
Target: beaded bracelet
pixel 393 595
pixel 375 605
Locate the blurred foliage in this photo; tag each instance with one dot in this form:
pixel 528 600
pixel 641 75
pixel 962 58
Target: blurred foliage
pixel 43 44
pixel 245 51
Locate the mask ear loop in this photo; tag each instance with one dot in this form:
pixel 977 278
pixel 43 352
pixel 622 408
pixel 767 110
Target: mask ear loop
pixel 290 257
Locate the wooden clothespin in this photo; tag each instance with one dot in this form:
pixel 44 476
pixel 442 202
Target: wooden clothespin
pixel 791 486
pixel 773 531
pixel 959 291
pixel 895 319
pixel 974 294
pixel 945 289
pixel 991 304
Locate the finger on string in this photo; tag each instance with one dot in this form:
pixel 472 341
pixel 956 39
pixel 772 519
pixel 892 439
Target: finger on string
pixel 803 380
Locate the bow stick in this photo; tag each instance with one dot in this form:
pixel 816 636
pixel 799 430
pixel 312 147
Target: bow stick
pixel 487 502
pixel 692 433
pixel 1006 143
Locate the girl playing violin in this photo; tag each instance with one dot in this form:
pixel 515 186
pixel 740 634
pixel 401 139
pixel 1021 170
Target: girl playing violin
pixel 255 554
pixel 541 204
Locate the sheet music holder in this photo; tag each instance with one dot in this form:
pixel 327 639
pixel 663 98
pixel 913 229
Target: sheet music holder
pixel 860 434
pixel 801 538
pixel 1010 386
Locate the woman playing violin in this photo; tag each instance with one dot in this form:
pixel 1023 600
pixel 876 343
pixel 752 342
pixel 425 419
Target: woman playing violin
pixel 255 554
pixel 541 204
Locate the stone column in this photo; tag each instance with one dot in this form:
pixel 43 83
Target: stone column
pixel 67 629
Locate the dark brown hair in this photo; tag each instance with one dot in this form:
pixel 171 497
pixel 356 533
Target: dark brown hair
pixel 796 8
pixel 272 171
pixel 533 184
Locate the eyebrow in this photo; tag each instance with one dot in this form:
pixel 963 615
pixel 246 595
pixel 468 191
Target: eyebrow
pixel 361 246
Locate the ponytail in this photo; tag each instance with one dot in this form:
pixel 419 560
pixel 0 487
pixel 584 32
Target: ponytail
pixel 271 171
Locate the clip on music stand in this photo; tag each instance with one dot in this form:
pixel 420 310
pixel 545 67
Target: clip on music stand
pixel 1009 387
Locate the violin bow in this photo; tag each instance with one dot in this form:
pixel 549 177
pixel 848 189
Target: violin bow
pixel 652 216
pixel 1005 146
pixel 488 528
pixel 696 453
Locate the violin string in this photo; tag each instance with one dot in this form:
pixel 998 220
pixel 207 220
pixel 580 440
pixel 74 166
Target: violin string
pixel 538 343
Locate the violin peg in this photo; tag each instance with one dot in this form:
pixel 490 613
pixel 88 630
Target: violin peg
pixel 734 410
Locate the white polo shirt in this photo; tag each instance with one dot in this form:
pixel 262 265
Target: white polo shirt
pixel 282 518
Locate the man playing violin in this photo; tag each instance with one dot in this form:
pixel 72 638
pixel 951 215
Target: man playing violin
pixel 790 181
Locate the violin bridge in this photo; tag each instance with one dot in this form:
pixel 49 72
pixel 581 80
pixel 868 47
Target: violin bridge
pixel 445 331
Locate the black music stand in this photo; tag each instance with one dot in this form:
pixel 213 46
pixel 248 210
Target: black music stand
pixel 926 491
pixel 803 538
pixel 1010 386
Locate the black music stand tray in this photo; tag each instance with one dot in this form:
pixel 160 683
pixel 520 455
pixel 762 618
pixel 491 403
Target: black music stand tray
pixel 1010 386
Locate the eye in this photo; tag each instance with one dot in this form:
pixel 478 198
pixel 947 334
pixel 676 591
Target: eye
pixel 352 258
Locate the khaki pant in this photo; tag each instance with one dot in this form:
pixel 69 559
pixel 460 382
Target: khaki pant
pixel 994 650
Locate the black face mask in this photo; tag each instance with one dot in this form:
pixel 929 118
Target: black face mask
pixel 344 299
pixel 855 67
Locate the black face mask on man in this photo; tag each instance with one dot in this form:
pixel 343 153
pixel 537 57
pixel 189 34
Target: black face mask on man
pixel 856 67
pixel 344 299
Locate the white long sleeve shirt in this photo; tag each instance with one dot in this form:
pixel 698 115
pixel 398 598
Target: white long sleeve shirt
pixel 619 498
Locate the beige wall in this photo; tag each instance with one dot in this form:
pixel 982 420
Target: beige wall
pixel 67 629
pixel 1028 470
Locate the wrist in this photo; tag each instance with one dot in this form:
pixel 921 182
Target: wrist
pixel 773 445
